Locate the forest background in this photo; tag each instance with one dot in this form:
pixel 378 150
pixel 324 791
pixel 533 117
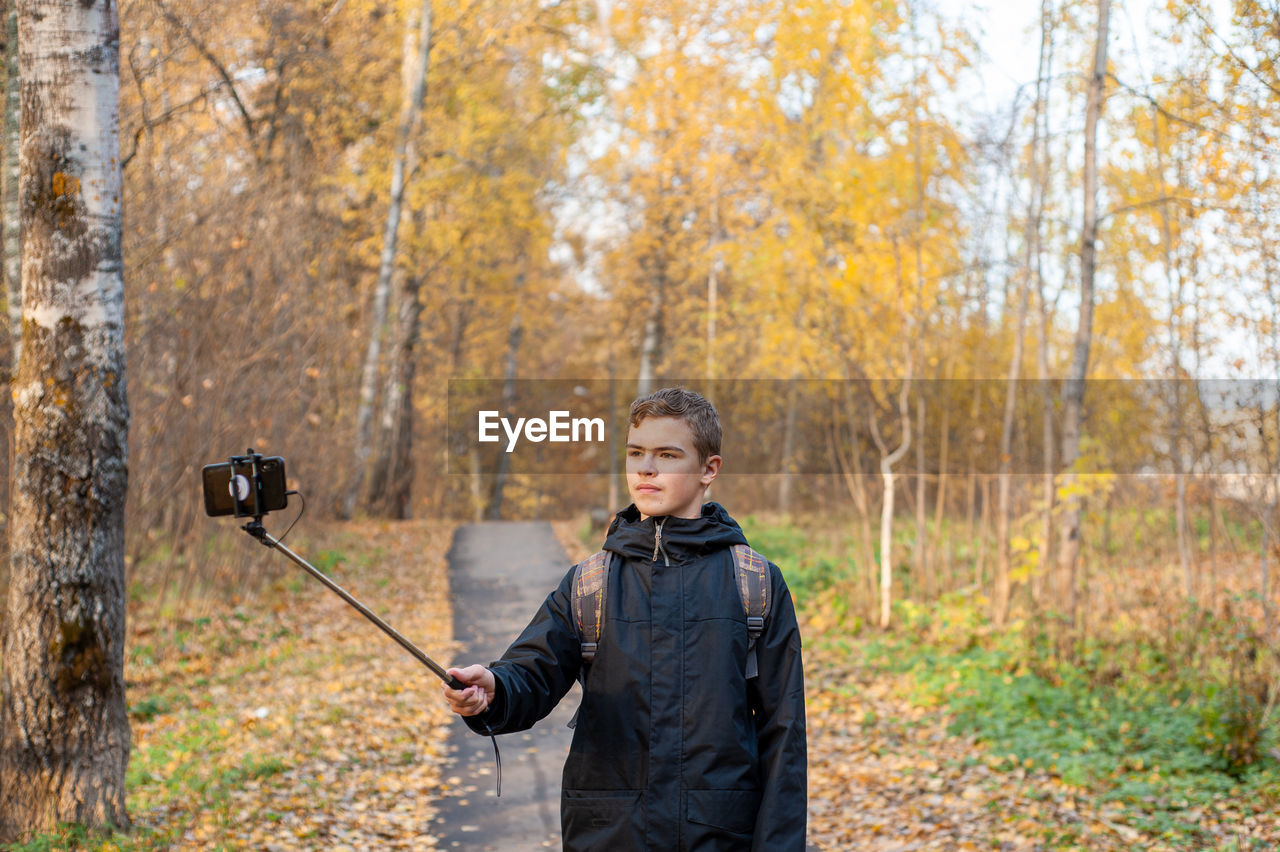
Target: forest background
pixel 1005 364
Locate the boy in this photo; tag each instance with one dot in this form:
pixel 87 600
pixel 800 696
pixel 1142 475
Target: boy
pixel 675 747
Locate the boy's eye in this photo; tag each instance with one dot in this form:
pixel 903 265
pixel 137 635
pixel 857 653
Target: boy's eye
pixel 668 455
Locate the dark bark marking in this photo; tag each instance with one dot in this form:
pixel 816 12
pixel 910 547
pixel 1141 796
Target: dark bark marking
pixel 81 655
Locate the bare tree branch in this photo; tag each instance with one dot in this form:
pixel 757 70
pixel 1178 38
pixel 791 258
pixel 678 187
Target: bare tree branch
pixel 204 51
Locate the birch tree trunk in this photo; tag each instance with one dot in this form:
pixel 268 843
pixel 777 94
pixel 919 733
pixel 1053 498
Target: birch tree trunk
pixel 9 252
pixel 940 499
pixel 1003 581
pixel 1073 395
pixel 9 210
pixel 515 333
pixel 64 729
pixel 850 468
pixel 1047 490
pixel 416 56
pixel 788 446
pixel 920 546
pixel 713 286
pixel 887 461
pixel 889 458
pixel 389 481
pixel 651 342
pixel 1173 275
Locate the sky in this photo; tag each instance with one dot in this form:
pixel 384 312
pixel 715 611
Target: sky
pixel 1008 32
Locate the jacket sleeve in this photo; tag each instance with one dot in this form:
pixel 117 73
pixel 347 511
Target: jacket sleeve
pixel 537 670
pixel 778 699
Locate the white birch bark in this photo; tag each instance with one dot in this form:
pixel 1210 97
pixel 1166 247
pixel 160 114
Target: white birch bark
pixel 1003 588
pixel 1177 437
pixel 650 342
pixel 889 476
pixel 64 731
pixel 416 57
pixel 1073 396
pixel 9 188
pixel 389 479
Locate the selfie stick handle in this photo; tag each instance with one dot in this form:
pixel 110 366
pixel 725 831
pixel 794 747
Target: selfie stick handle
pixel 259 532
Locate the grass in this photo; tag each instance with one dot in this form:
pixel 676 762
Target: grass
pixel 1150 747
pixel 72 836
pixel 173 770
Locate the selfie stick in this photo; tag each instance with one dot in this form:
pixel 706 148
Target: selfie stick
pixel 255 529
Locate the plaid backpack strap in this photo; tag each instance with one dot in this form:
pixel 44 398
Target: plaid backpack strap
pixel 590 584
pixel 751 573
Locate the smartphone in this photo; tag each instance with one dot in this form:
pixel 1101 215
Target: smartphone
pixel 221 479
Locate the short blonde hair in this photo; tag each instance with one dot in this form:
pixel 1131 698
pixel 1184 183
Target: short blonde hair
pixel 689 406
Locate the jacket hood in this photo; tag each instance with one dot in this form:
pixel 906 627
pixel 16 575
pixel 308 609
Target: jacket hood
pixel 682 539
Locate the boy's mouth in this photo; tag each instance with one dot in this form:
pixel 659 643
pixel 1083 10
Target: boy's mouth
pixel 648 489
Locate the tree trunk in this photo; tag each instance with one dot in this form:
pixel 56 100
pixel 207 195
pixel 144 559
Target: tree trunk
pixel 887 461
pixel 984 522
pixel 713 286
pixel 417 55
pixel 390 480
pixel 616 421
pixel 851 473
pixel 1178 437
pixel 1273 462
pixel 9 210
pixel 922 509
pixel 10 255
pixel 1003 584
pixel 515 331
pixel 1073 396
pixel 64 728
pixel 941 539
pixel 788 447
pixel 1049 493
pixel 651 342
pixel 1264 566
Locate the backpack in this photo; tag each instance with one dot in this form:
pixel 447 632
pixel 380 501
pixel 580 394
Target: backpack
pixel 591 584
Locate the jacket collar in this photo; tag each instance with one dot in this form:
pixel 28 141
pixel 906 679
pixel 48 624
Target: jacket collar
pixel 670 539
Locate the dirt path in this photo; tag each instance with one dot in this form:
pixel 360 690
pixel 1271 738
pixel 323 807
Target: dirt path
pixel 499 573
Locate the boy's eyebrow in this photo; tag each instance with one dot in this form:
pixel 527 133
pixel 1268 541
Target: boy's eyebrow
pixel 631 446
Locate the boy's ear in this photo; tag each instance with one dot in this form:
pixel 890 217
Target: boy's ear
pixel 710 470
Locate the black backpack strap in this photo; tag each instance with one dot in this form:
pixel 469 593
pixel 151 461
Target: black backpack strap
pixel 590 585
pixel 751 573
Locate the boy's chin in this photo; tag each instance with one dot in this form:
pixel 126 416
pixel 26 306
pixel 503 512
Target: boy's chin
pixel 658 505
pixel 647 507
pixel 650 504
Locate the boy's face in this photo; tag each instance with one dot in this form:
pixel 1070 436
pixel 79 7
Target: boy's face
pixel 664 474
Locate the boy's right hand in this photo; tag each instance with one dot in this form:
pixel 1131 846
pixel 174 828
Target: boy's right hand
pixel 476 697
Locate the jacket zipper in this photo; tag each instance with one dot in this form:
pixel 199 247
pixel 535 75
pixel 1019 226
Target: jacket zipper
pixel 657 544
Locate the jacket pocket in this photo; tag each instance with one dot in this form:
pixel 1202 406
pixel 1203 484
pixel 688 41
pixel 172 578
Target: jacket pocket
pixel 601 820
pixel 722 813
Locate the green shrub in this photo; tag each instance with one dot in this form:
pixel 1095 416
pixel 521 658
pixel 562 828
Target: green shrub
pixel 807 561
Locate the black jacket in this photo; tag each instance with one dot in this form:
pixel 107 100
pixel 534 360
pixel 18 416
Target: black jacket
pixel 674 748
